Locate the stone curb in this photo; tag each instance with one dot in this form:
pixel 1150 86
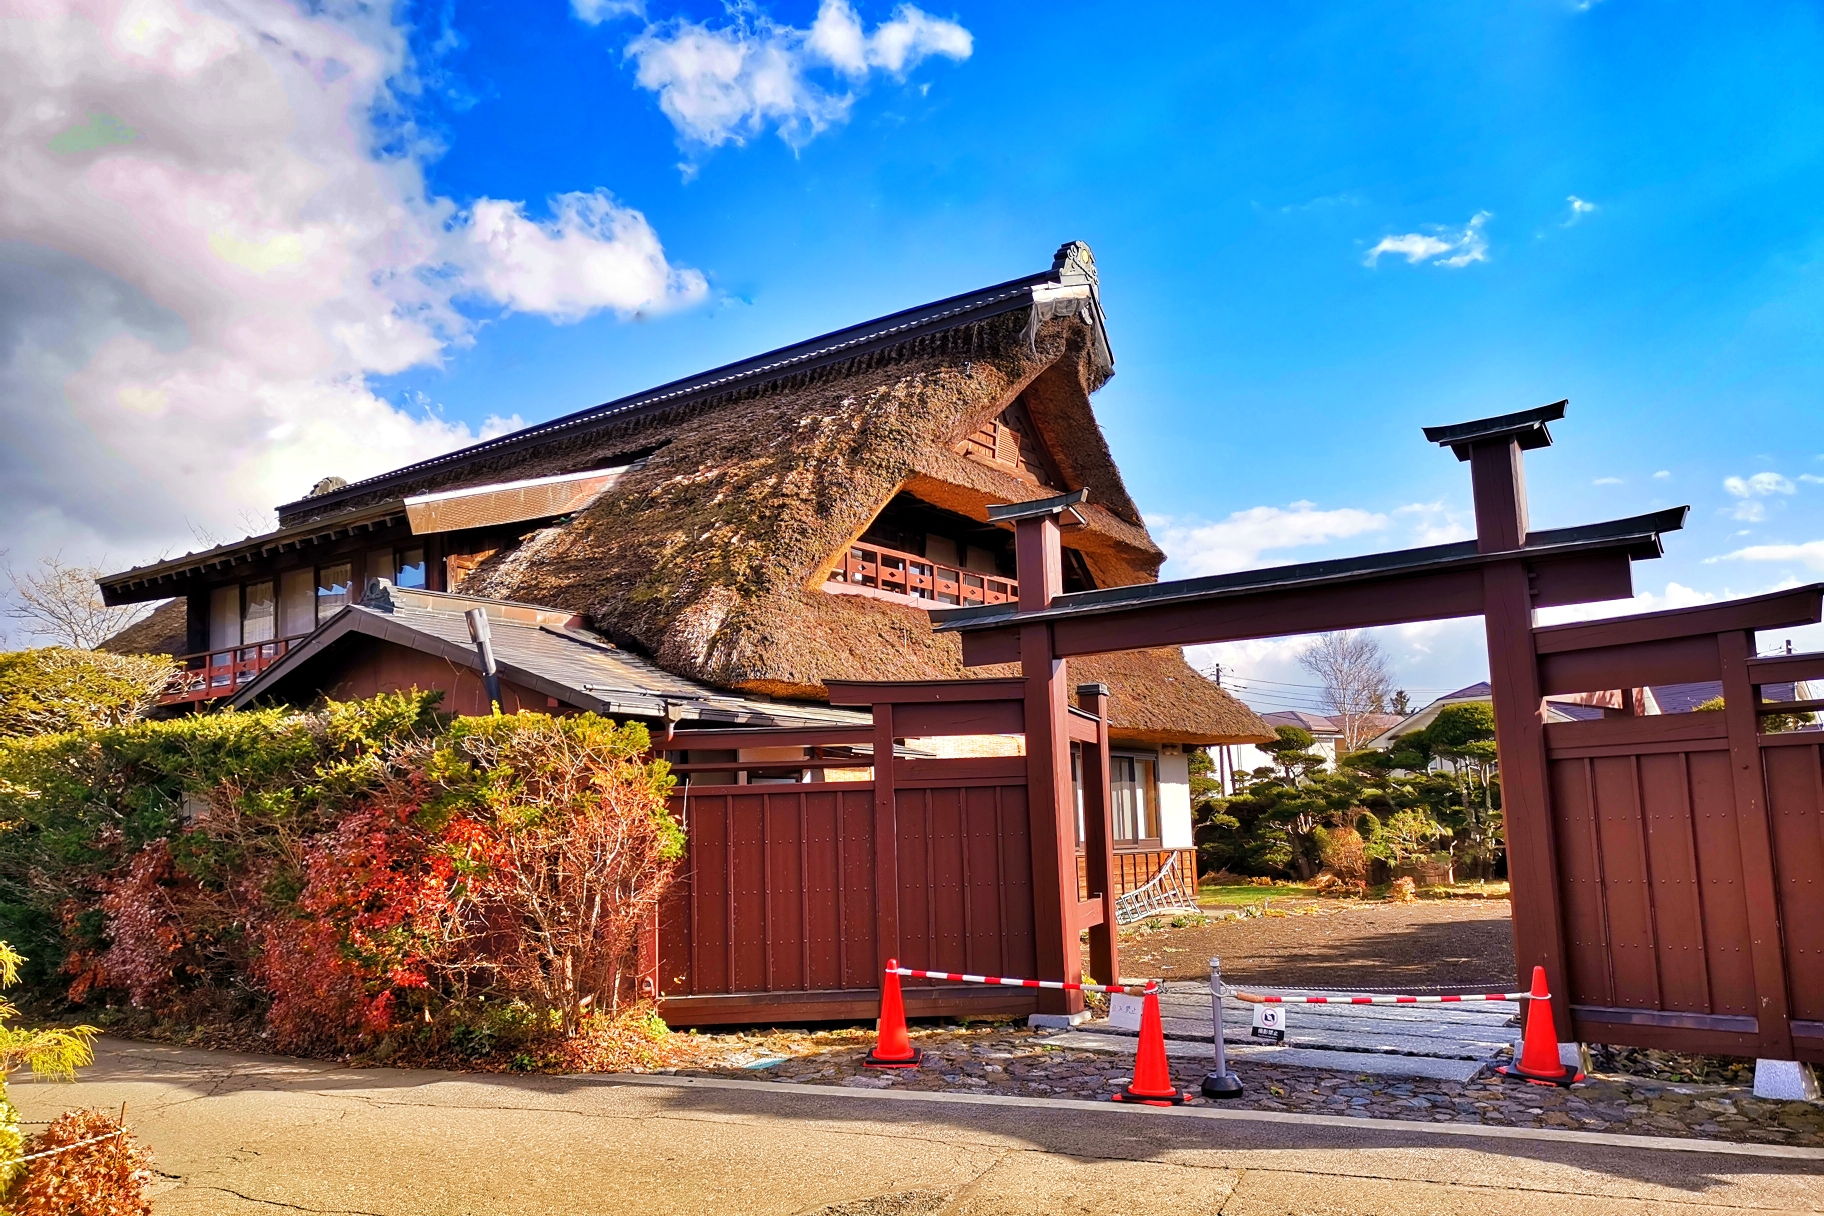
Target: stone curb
pixel 1662 1144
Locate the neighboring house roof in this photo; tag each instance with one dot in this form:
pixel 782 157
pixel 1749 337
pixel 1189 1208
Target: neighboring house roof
pixel 1317 724
pixel 1421 718
pixel 539 648
pixel 1659 699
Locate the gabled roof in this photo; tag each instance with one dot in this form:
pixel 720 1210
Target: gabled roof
pixel 539 648
pixel 1072 277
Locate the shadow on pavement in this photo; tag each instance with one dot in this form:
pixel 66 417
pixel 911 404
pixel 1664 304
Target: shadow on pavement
pixel 1110 1133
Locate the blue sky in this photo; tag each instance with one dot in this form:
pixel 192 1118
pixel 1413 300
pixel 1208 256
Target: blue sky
pixel 1611 202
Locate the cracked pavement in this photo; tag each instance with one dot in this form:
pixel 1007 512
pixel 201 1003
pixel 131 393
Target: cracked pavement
pixel 238 1135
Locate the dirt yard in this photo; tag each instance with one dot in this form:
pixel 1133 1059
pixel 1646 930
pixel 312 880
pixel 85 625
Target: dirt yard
pixel 1445 943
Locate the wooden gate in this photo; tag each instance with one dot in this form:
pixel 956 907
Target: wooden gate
pixel 1668 872
pixel 1690 847
pixel 793 895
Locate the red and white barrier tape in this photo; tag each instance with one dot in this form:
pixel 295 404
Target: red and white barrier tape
pixel 1137 985
pixel 1255 998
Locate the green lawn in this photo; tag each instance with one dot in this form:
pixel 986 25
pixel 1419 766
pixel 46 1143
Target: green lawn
pixel 1234 895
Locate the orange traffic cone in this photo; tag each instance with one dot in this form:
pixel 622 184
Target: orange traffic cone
pixel 1539 1062
pixel 892 1047
pixel 1152 1083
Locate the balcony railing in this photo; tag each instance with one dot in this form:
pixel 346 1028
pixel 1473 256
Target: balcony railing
pixel 920 578
pixel 221 673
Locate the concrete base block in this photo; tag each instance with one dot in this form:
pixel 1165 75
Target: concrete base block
pixel 1789 1080
pixel 1577 1055
pixel 1057 1021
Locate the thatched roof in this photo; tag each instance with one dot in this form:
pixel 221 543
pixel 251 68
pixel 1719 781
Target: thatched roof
pixel 165 630
pixel 745 484
pixel 712 556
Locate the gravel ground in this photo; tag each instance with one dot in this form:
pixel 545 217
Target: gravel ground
pixel 1012 1060
pixel 1339 944
pixel 1336 945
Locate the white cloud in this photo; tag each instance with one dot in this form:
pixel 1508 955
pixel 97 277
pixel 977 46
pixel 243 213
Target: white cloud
pixel 1465 245
pixel 1238 542
pixel 1434 524
pixel 1758 486
pixel 724 84
pixel 203 259
pixel 1607 481
pixel 1579 209
pixel 1676 595
pixel 1811 479
pixel 597 11
pixel 1747 510
pixel 1810 554
pixel 594 254
pixel 1663 475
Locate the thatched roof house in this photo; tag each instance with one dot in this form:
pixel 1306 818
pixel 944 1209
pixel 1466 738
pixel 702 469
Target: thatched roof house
pixel 716 524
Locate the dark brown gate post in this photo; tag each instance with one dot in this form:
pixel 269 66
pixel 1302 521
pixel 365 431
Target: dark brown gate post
pixel 886 844
pixel 1498 480
pixel 1098 838
pixel 1040 567
pixel 1766 950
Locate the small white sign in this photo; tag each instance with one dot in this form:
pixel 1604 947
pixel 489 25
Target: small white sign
pixel 1124 1011
pixel 1270 1022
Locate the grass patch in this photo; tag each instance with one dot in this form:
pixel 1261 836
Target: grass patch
pixel 1236 895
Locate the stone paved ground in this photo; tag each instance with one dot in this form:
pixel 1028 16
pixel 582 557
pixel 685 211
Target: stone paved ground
pixel 1013 1060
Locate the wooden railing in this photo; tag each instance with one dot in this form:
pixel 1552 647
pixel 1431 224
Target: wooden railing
pixel 221 673
pixel 920 578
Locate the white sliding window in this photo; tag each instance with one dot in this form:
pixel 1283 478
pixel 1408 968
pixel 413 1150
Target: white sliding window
pixel 259 617
pixel 224 617
pixel 297 602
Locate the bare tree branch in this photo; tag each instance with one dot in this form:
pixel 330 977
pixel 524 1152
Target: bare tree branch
pixel 62 605
pixel 1352 668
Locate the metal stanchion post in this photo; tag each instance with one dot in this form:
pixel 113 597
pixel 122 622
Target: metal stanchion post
pixel 1221 1083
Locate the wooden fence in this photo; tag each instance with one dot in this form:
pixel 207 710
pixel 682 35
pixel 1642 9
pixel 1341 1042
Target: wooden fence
pixel 1690 847
pixel 792 896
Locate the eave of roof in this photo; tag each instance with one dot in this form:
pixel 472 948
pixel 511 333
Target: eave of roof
pixel 115 588
pixel 837 346
pixel 1638 535
pixel 641 689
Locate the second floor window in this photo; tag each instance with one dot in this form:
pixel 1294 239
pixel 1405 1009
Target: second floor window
pixel 332 590
pixel 260 618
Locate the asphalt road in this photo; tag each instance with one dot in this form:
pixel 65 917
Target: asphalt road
pixel 240 1135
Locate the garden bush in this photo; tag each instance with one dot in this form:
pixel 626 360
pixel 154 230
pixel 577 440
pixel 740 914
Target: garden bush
pixel 102 1177
pixel 361 875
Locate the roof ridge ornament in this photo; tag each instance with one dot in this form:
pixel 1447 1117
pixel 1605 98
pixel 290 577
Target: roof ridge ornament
pixel 1526 427
pixel 1074 261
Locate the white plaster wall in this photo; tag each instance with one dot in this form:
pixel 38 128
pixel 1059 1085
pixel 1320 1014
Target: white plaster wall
pixel 1175 800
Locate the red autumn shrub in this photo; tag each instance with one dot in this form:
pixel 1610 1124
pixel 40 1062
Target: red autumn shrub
pixel 145 936
pixel 107 1178
pixel 510 860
